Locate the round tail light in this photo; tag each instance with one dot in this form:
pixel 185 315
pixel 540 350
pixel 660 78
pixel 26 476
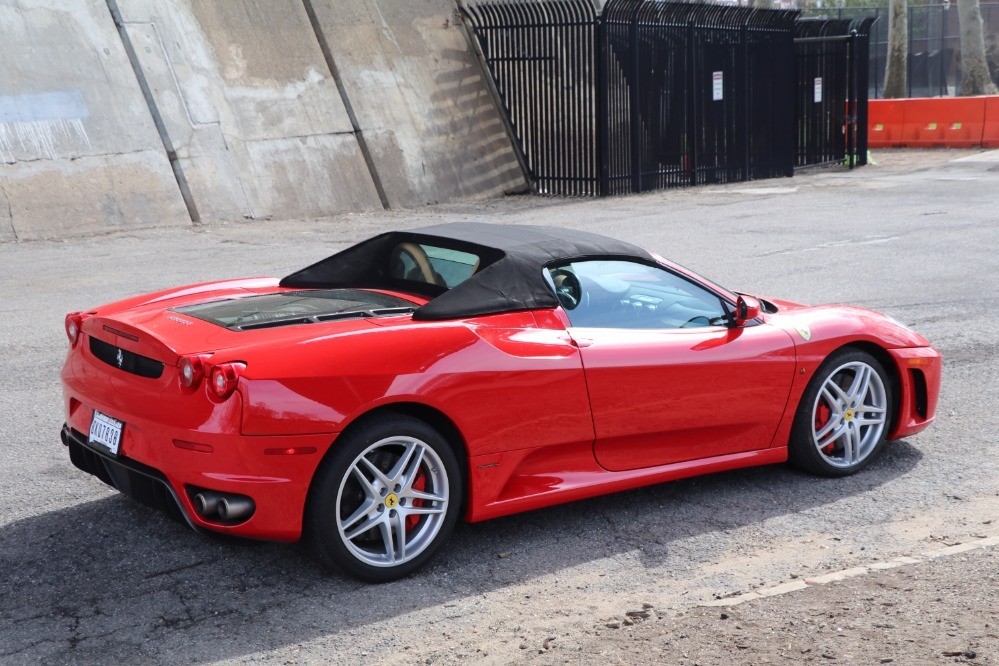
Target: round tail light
pixel 191 369
pixel 224 378
pixel 73 322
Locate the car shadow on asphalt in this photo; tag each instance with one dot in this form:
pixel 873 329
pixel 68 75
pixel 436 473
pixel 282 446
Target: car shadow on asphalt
pixel 109 579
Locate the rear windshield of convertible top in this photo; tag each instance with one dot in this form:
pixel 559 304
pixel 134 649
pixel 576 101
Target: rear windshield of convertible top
pixel 430 264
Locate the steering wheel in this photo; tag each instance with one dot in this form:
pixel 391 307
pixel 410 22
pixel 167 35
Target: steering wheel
pixel 567 288
pixel 699 320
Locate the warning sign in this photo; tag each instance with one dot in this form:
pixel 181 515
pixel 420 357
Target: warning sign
pixel 717 86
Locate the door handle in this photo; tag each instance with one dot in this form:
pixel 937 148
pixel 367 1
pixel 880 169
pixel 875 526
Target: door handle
pixel 581 342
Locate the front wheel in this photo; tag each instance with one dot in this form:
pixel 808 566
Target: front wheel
pixel 843 417
pixel 385 500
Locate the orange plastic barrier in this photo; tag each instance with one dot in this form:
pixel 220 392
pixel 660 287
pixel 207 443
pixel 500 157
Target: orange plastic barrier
pixel 990 133
pixel 957 122
pixel 944 121
pixel 884 122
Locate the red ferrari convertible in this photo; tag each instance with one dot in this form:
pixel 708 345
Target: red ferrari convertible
pixel 472 370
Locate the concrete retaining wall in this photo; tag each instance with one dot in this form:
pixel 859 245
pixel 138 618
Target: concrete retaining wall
pixel 78 150
pixel 420 99
pixel 249 107
pixel 209 110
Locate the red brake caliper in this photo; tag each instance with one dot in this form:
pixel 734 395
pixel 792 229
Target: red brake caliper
pixel 821 419
pixel 419 484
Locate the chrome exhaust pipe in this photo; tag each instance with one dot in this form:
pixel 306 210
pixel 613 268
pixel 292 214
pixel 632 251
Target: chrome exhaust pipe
pixel 207 503
pixel 235 507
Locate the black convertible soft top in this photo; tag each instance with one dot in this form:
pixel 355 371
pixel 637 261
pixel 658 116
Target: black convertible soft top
pixel 509 276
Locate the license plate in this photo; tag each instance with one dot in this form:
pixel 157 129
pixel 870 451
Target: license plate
pixel 106 432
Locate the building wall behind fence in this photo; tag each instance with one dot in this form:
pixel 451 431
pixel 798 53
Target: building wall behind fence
pixel 201 110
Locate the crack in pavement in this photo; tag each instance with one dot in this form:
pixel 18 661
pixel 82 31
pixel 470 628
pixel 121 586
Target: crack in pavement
pixel 871 240
pixel 10 214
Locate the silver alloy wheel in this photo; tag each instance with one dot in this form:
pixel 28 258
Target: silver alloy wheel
pixel 382 518
pixel 849 414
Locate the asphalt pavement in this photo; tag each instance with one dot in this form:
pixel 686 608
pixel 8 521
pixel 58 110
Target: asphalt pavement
pixel 89 576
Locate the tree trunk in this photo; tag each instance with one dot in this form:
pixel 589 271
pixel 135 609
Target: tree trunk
pixel 896 70
pixel 975 79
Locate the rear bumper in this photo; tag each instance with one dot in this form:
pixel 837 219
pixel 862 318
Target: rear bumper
pixel 919 372
pixel 171 485
pixel 175 444
pixel 140 482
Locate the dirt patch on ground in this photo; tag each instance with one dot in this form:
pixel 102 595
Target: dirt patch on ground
pixel 909 159
pixel 942 611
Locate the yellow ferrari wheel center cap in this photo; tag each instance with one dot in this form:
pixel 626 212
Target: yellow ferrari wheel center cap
pixel 391 500
pixel 848 415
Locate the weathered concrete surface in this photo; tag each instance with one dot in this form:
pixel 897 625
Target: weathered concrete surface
pixel 242 114
pixel 250 108
pixel 78 149
pixel 419 97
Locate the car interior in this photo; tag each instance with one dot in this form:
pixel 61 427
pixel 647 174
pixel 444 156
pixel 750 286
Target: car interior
pixel 625 294
pixel 432 265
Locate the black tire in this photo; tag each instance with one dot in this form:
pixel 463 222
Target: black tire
pixel 833 460
pixel 335 479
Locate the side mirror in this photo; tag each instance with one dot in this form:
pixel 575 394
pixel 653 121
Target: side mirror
pixel 746 308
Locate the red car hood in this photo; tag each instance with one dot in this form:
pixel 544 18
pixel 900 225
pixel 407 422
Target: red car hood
pixel 147 324
pixel 822 322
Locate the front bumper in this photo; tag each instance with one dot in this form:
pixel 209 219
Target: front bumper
pixel 919 373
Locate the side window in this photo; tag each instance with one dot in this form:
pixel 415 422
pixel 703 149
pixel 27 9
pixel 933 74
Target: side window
pixel 626 294
pixel 453 266
pixel 434 265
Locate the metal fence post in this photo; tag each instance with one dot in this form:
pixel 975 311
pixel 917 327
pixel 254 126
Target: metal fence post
pixel 693 123
pixel 635 100
pixel 851 97
pixel 602 108
pixel 744 89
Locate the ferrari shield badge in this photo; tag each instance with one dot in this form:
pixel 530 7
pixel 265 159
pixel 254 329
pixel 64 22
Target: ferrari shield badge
pixel 804 331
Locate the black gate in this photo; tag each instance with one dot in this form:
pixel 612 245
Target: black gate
pixel 832 89
pixel 690 100
pixel 648 94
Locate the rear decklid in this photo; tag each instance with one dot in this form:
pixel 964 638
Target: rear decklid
pixel 208 318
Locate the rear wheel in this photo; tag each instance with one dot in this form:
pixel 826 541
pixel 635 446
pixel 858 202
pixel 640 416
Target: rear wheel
pixel 843 417
pixel 385 499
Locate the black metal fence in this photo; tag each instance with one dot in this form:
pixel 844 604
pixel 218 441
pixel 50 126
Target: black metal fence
pixel 831 90
pixel 651 94
pixel 542 58
pixel 690 99
pixel 934 45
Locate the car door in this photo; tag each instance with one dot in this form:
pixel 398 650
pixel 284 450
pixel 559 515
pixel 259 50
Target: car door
pixel 669 379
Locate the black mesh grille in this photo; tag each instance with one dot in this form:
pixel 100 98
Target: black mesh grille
pixel 126 360
pixel 140 482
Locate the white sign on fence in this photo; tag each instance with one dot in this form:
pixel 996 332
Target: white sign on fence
pixel 818 89
pixel 716 86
